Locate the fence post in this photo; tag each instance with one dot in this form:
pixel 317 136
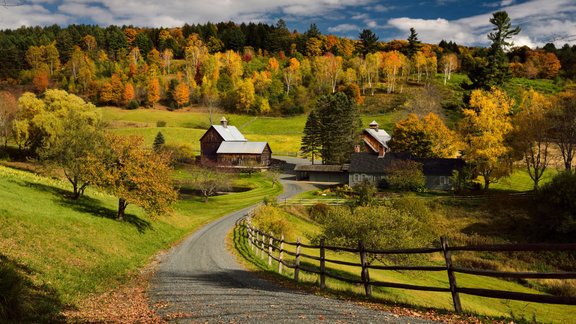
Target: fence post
pixel 250 237
pixel 270 241
pixel 281 256
pixel 262 245
pixel 364 274
pixel 297 261
pixel 322 265
pixel 451 276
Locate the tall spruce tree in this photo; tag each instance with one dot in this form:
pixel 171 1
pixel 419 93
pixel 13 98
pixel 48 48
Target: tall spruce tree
pixel 340 123
pixel 494 70
pixel 311 141
pixel 368 42
pixel 413 43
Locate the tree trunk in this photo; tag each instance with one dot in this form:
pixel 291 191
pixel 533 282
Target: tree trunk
pixel 122 203
pixel 486 183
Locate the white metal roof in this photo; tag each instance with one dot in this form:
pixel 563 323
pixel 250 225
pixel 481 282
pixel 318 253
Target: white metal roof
pixel 241 147
pixel 229 133
pixel 380 135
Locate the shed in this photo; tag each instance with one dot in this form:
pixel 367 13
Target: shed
pixel 337 174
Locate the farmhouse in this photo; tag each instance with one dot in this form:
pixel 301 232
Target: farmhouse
pixel 224 145
pixel 372 162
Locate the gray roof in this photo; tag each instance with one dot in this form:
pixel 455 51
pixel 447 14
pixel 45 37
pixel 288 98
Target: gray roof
pixel 372 164
pixel 379 135
pixel 318 168
pixel 236 147
pixel 229 133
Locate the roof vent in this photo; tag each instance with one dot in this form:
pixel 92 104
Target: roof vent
pixel 374 125
pixel 224 122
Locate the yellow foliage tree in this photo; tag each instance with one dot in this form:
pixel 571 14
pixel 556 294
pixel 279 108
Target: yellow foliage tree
pixel 181 94
pixel 485 126
pixel 153 95
pixel 129 93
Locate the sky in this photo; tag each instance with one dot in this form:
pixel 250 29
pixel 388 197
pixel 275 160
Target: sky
pixel 465 22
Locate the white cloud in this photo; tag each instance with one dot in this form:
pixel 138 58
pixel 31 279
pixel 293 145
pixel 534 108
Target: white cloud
pixel 29 15
pixel 540 20
pixel 343 28
pixel 505 3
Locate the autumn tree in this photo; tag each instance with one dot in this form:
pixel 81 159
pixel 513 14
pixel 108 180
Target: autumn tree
pixel 328 71
pixel 392 64
pixel 531 133
pixel 449 63
pixel 129 95
pixel 153 93
pixel 8 110
pixel 181 94
pixel 563 134
pixel 135 174
pixel 245 96
pixel 291 73
pixel 485 126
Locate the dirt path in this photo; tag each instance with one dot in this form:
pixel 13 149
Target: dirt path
pixel 200 281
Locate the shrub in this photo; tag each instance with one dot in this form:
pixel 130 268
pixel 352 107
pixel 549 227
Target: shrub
pixel 405 175
pixel 179 153
pixel 268 218
pixel 133 104
pixel 365 192
pixel 161 123
pixel 379 227
pixel 556 202
pixel 319 212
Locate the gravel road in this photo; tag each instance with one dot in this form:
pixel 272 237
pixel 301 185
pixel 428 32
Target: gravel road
pixel 200 281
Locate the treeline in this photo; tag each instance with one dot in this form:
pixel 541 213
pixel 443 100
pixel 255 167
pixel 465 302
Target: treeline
pixel 247 68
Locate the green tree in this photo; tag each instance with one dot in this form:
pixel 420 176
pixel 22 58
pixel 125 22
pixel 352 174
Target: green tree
pixel 80 136
pixel 414 44
pixel 340 123
pixel 494 70
pixel 312 140
pixel 208 181
pixel 368 42
pixel 158 142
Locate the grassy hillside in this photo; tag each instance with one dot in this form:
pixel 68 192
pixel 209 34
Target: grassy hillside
pixel 69 249
pixel 306 229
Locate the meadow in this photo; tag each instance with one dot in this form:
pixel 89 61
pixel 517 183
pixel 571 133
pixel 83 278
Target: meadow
pixel 65 250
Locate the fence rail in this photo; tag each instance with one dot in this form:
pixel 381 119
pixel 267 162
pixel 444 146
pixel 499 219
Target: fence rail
pixel 266 243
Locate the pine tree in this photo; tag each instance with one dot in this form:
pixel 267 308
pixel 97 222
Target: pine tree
pixel 368 42
pixel 311 141
pixel 340 123
pixel 413 43
pixel 158 141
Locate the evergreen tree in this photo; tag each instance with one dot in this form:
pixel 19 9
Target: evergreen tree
pixel 339 122
pixel 413 43
pixel 311 141
pixel 158 141
pixel 368 42
pixel 494 70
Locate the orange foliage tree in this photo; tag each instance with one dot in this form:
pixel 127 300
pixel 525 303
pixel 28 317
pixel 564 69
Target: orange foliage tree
pixel 181 94
pixel 153 95
pixel 135 174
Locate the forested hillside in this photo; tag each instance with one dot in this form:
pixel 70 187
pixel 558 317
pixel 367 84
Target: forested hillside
pixel 247 68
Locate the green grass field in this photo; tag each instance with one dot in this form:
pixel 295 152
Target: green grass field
pixel 70 249
pixel 471 304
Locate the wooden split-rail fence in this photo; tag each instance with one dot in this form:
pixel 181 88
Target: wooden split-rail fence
pixel 274 248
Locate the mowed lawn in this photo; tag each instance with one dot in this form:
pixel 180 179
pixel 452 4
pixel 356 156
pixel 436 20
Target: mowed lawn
pixel 284 134
pixel 70 249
